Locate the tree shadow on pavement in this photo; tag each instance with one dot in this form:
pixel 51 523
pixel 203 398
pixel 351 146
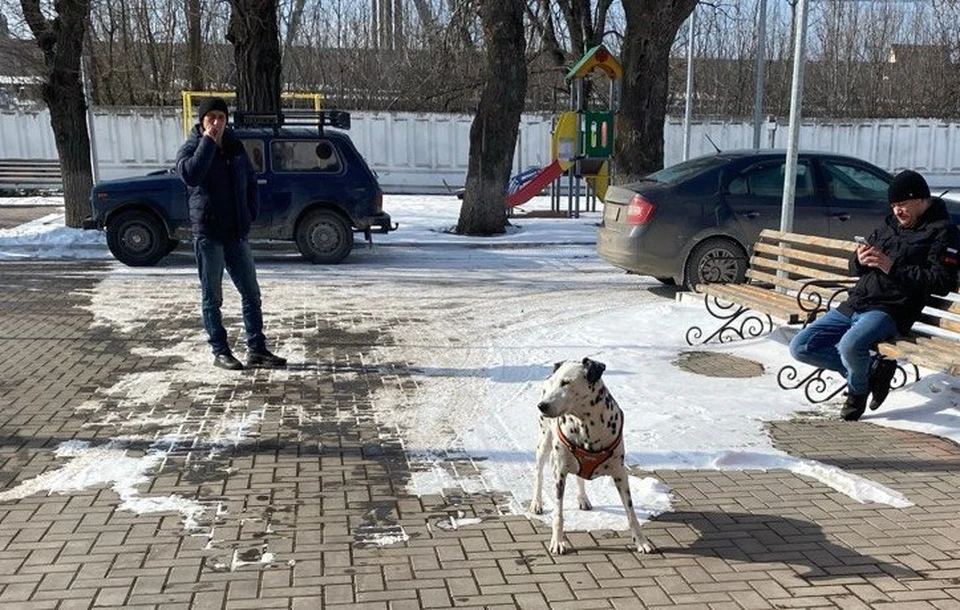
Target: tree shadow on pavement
pixel 769 539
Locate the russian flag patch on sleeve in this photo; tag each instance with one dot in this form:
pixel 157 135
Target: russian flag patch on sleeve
pixel 950 256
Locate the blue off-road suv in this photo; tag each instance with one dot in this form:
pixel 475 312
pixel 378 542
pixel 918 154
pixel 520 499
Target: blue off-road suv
pixel 315 189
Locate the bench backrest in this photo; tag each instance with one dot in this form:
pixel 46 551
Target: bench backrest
pixel 942 313
pixel 798 257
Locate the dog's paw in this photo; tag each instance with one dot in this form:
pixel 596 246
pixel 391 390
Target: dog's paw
pixel 643 545
pixel 536 507
pixel 559 547
pixel 585 504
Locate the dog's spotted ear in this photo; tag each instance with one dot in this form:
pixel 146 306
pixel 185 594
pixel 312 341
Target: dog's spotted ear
pixel 594 369
pixel 557 365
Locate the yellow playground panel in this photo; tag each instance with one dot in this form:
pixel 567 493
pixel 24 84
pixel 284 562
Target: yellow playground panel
pixel 563 144
pixel 188 98
pixel 600 181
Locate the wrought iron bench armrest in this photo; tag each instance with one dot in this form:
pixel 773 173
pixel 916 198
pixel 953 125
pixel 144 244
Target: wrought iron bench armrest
pixel 818 296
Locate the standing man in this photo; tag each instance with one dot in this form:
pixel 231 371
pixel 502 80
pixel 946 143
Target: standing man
pixel 223 203
pixel 911 256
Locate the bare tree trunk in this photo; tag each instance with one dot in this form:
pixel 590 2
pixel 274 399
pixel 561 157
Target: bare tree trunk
pixel 428 20
pixel 460 19
pixel 255 35
pixel 61 41
pixel 293 29
pixel 493 134
pixel 194 46
pixel 578 15
pixel 386 24
pixel 651 27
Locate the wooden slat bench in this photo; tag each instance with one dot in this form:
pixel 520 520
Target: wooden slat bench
pixel 30 174
pixel 791 278
pixel 934 342
pixel 813 277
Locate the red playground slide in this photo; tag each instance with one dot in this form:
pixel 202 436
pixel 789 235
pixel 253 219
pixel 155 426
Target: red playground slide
pixel 536 184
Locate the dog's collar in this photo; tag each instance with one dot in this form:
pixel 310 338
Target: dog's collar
pixel 588 461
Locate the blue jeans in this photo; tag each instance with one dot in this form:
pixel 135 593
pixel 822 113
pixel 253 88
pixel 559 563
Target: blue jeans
pixel 842 344
pixel 213 256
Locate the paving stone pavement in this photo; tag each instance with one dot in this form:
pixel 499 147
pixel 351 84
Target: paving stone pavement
pixel 311 498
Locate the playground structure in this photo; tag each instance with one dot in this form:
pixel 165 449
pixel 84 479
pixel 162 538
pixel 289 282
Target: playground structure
pixel 581 142
pixel 187 99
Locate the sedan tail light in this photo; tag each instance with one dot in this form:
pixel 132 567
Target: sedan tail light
pixel 640 211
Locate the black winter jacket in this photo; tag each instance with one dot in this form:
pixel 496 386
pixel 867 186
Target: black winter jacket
pixel 924 263
pixel 211 215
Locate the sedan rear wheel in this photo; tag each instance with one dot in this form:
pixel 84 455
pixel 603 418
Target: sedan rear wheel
pixel 716 260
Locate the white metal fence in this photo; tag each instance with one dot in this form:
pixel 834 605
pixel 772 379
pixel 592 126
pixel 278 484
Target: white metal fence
pixel 427 153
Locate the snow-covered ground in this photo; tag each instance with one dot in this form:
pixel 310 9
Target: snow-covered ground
pixel 489 316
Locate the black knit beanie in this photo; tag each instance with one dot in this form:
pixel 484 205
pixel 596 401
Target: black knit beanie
pixel 212 103
pixel 908 184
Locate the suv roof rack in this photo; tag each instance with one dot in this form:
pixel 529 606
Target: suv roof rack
pixel 318 118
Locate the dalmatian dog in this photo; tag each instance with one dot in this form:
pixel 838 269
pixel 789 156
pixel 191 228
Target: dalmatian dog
pixel 583 426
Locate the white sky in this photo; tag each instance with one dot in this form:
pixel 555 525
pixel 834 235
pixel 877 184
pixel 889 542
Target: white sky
pixel 490 323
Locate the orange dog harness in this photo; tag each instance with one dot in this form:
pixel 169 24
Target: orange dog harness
pixel 589 461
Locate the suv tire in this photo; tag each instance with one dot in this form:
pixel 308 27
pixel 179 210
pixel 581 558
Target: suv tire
pixel 324 236
pixel 137 238
pixel 715 260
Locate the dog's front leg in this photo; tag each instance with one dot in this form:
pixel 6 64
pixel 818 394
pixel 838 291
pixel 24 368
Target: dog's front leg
pixel 622 481
pixel 543 450
pixel 582 500
pixel 558 546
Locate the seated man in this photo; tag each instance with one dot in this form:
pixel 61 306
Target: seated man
pixel 911 256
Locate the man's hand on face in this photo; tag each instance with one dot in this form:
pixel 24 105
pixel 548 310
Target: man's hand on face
pixel 869 256
pixel 213 124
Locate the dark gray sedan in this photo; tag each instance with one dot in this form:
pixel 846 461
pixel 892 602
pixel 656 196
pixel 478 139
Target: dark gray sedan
pixel 695 222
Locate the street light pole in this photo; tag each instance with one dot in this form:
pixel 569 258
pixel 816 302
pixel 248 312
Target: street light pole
pixel 796 99
pixel 688 108
pixel 91 128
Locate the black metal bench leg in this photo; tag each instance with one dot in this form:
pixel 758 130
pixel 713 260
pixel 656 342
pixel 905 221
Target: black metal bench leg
pixel 739 322
pixel 816 387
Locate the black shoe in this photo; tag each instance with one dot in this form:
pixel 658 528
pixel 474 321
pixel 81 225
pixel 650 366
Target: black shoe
pixel 880 379
pixel 227 361
pixel 854 407
pixel 264 358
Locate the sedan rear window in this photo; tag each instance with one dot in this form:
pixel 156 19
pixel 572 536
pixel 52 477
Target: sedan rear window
pixel 685 170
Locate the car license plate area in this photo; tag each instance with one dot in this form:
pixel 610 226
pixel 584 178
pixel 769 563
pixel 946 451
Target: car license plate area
pixel 611 213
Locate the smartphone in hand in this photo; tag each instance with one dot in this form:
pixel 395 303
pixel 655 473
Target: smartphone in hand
pixel 860 239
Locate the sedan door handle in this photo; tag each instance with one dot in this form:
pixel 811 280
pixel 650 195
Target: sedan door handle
pixel 751 215
pixel 261 180
pixel 842 216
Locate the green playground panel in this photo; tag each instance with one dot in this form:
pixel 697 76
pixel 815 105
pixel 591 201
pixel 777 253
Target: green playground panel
pixel 596 134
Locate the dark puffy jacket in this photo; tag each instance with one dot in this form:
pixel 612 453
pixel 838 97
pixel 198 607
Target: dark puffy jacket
pixel 924 263
pixel 194 160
